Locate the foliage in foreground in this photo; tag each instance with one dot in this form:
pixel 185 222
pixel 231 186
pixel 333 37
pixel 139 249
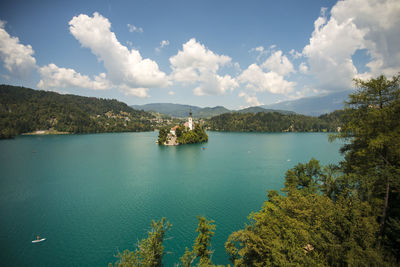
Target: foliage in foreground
pixel 308 228
pixel 149 251
pixel 345 215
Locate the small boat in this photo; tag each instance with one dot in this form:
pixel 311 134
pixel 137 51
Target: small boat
pixel 38 240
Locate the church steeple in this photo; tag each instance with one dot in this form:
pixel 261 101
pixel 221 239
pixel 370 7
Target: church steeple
pixel 190 120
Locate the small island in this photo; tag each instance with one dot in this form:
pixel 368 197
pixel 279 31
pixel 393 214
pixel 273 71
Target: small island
pixel 187 133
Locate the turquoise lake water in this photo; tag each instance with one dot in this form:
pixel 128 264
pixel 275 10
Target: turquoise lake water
pixel 94 195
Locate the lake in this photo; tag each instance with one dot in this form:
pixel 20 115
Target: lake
pixel 94 195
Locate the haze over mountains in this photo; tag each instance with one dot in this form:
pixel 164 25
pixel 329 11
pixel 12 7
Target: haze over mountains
pixel 312 106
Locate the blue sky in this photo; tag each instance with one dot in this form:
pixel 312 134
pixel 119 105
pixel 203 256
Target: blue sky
pixel 204 53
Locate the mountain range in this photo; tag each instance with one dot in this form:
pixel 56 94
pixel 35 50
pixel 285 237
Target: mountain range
pixel 311 106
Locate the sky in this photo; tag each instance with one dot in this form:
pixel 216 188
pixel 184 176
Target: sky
pixel 205 53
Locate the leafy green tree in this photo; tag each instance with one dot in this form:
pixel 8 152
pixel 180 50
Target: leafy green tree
pixel 372 156
pixel 201 247
pixel 304 176
pixel 307 228
pixel 197 135
pixel 162 135
pixel 149 251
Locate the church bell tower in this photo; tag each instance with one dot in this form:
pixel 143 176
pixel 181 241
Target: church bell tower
pixel 190 120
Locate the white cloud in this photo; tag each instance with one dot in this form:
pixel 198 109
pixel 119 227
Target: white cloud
pixel 55 77
pixel 162 44
pixel 380 21
pixel 259 49
pixel 138 92
pixel 133 28
pixel 354 25
pixel 262 51
pixel 125 68
pixel 330 50
pixel 295 54
pixel 236 65
pixel 251 100
pixel 17 58
pixel 303 68
pixel 197 64
pixel 259 81
pixel 214 84
pixel 171 93
pixel 278 63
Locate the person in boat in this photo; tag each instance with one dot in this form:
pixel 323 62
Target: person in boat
pixel 37 237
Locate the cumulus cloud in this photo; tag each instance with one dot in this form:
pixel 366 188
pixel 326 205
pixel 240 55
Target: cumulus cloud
pixel 278 63
pixel 138 92
pixel 55 77
pixel 17 58
pixel 195 64
pixel 354 25
pixel 259 81
pixel 295 54
pixel 303 68
pixel 277 66
pixel 133 28
pixel 126 68
pixel 251 100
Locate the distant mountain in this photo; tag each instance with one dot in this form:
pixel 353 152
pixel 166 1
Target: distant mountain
pixel 313 106
pixel 174 110
pixel 260 109
pixel 182 111
pixel 210 112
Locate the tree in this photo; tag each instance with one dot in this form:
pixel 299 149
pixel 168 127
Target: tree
pixel 201 245
pixel 162 135
pixel 149 251
pixel 372 127
pixel 307 228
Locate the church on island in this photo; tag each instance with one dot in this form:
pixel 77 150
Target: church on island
pixel 188 133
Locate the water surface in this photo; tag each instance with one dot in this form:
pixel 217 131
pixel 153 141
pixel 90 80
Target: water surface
pixel 94 195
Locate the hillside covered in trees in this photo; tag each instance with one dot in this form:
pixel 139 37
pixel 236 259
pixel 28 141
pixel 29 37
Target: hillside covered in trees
pixel 25 110
pixel 336 215
pixel 275 122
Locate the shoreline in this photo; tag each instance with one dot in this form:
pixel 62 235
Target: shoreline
pixel 46 132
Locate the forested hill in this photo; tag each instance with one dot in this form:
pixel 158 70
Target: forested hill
pixel 275 122
pixel 25 110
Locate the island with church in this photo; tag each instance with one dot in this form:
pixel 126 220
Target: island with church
pixel 187 133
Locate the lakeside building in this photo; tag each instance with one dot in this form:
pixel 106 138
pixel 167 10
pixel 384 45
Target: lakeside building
pixel 188 125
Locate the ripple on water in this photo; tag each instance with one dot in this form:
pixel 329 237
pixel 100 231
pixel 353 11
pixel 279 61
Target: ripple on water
pixel 94 195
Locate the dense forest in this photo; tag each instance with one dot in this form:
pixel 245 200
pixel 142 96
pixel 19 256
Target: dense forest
pixel 275 122
pixel 25 110
pixel 336 215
